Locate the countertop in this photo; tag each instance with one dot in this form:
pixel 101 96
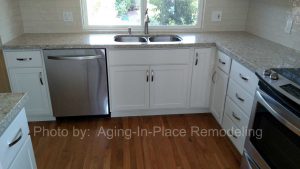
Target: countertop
pixel 252 51
pixel 10 106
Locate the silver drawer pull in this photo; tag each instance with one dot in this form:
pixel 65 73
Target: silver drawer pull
pixel 243 77
pixel 235 116
pixel 234 136
pixel 147 76
pixel 152 75
pixel 222 62
pixel 24 59
pixel 17 138
pixel 238 97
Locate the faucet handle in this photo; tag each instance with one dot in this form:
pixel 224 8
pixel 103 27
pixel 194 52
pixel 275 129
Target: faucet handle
pixel 146 11
pixel 129 31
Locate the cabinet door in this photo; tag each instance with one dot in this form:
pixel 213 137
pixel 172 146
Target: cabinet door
pixel 220 83
pixel 203 66
pixel 25 158
pixel 32 81
pixel 168 86
pixel 129 87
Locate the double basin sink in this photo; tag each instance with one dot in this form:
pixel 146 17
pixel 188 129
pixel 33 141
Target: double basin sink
pixel 145 38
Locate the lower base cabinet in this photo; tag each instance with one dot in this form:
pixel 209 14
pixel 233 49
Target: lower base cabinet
pixel 25 158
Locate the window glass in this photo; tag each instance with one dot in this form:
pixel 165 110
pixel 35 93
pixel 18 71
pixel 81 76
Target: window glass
pixel 113 12
pixel 173 12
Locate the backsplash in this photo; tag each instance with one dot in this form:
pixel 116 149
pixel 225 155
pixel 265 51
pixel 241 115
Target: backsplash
pixel 10 20
pixel 45 16
pixel 268 18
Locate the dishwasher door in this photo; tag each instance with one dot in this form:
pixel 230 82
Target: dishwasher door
pixel 77 82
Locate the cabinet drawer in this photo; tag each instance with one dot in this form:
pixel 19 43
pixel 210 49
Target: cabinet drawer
pixel 23 59
pixel 13 138
pixel 234 133
pixel 223 62
pixel 149 57
pixel 244 77
pixel 239 96
pixel 236 114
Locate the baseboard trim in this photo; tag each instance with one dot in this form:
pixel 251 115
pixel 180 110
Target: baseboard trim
pixel 127 113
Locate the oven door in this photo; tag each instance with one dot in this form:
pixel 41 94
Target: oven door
pixel 274 140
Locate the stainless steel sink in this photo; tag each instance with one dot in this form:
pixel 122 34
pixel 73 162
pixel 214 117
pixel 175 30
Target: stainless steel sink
pixel 165 38
pixel 130 38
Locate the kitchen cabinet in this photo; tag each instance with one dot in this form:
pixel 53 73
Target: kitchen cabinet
pixel 27 74
pixel 168 86
pixel 129 87
pixel 220 82
pixel 203 66
pixel 16 147
pixel 144 87
pixel 25 158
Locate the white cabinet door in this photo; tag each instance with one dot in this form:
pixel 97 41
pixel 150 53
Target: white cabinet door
pixel 169 86
pixel 25 158
pixel 219 94
pixel 32 81
pixel 129 87
pixel 203 67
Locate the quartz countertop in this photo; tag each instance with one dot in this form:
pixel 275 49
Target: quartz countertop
pixel 10 106
pixel 252 51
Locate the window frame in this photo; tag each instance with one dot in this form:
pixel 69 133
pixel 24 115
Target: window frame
pixel 123 28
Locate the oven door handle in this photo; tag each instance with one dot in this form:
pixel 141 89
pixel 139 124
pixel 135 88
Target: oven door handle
pixel 279 112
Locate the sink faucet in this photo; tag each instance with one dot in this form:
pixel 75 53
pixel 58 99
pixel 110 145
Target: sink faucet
pixel 146 22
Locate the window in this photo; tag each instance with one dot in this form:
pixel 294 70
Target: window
pixel 123 13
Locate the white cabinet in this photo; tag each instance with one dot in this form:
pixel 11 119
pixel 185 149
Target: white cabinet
pixel 169 86
pixel 16 150
pixel 144 87
pixel 26 74
pixel 203 66
pixel 220 82
pixel 25 158
pixel 129 87
pixel 31 80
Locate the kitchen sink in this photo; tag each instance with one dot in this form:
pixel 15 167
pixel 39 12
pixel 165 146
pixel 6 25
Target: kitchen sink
pixel 130 38
pixel 165 38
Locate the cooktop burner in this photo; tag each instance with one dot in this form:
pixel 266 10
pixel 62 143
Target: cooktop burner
pixel 293 74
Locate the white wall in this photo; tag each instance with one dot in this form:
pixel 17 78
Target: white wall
pixel 267 19
pixel 10 20
pixel 45 16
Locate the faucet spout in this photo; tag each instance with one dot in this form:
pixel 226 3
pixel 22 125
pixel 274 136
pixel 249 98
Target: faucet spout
pixel 146 22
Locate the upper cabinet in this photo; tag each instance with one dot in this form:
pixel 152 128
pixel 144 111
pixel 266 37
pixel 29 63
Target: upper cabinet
pixel 203 66
pixel 27 75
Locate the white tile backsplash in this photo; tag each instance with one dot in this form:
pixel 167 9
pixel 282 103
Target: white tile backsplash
pixel 10 20
pixel 267 19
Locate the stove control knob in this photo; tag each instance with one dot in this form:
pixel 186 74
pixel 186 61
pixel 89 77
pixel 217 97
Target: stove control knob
pixel 274 76
pixel 267 72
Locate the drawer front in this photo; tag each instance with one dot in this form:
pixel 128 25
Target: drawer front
pixel 13 138
pixel 244 77
pixel 234 133
pixel 239 96
pixel 236 114
pixel 149 57
pixel 223 62
pixel 23 59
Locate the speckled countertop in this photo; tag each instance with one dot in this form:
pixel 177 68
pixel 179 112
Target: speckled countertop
pixel 252 51
pixel 10 106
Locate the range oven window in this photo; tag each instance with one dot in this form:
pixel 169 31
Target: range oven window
pixel 279 146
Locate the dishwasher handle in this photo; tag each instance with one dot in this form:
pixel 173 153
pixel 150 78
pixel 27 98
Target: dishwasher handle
pixel 89 57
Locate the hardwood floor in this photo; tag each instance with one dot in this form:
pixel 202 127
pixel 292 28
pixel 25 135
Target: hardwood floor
pixel 95 151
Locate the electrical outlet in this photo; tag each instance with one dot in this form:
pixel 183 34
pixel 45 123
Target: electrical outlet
pixel 216 16
pixel 68 16
pixel 289 25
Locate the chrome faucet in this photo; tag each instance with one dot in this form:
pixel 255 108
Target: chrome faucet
pixel 146 22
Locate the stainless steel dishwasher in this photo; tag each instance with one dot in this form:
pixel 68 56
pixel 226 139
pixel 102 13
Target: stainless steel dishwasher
pixel 77 81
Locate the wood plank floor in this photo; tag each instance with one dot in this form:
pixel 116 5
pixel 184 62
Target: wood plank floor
pixel 95 151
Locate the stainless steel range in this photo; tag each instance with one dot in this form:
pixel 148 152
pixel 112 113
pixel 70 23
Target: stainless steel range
pixel 276 112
